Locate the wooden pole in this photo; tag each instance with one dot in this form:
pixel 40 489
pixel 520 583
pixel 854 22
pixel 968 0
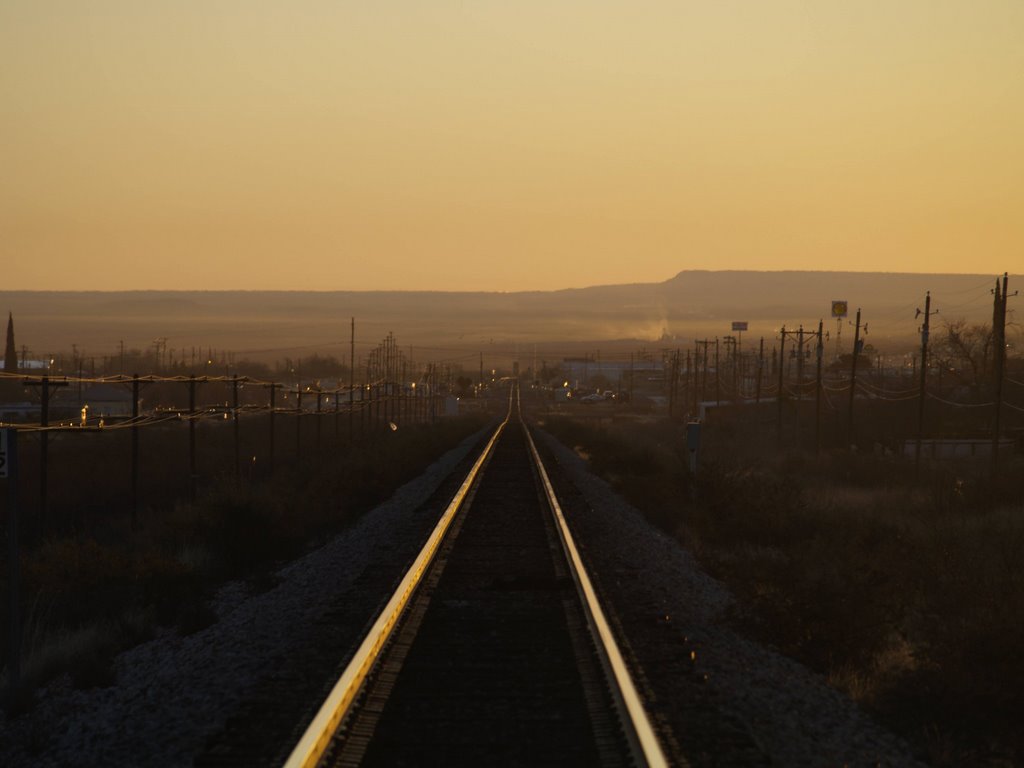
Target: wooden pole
pixel 135 449
pixel 853 380
pixel 923 386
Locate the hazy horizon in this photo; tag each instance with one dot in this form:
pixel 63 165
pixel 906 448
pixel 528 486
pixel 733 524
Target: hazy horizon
pixel 555 289
pixel 673 312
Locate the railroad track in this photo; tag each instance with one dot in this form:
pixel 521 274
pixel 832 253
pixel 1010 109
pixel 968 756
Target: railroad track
pixel 493 649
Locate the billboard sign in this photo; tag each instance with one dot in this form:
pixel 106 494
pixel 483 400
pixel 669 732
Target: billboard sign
pixel 739 325
pixel 840 308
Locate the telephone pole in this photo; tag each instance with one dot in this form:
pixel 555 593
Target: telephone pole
pixel 923 387
pixel 853 376
pixel 760 371
pixel 351 379
pixel 298 420
pixel 819 354
pixel 718 377
pixel 671 386
pixel 192 477
pixel 234 425
pixel 135 449
pixel 799 385
pixel 782 373
pixel 44 385
pixel 999 342
pixel 730 343
pixel 704 373
pixel 273 387
pixel 800 333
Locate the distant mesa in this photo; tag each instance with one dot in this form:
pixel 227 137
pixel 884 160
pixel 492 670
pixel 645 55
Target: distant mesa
pixel 692 304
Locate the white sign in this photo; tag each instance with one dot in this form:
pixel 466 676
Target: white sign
pixel 3 452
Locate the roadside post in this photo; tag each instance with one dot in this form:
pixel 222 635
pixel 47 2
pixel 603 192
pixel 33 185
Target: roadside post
pixel 9 474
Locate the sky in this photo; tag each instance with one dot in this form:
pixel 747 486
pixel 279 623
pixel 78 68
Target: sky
pixel 334 145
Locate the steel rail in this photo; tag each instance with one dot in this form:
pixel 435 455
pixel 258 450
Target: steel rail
pixel 318 735
pixel 647 749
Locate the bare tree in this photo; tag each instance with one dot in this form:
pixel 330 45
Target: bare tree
pixel 965 352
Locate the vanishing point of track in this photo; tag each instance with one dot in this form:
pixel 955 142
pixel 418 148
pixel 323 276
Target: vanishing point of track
pixel 494 648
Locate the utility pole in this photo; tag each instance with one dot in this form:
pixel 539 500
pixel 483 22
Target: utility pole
pixel 923 387
pixel 704 373
pixel 351 379
pixel 799 385
pixel 631 376
pixel 44 385
pixel 274 386
pixel 853 377
pixel 234 425
pixel 800 362
pixel 799 354
pixel 403 411
pixel 385 351
pixel 782 371
pixel 999 342
pixel 319 413
pixel 192 381
pixel 687 385
pixel 298 420
pixel 366 411
pixel 135 449
pixel 738 363
pixel 760 369
pixel 718 377
pixel 730 343
pixel 820 354
pixel 672 385
pixel 389 380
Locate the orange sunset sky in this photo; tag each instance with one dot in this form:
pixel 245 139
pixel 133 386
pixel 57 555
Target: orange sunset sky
pixel 216 144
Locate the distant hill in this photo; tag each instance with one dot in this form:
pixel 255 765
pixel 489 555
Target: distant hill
pixel 693 304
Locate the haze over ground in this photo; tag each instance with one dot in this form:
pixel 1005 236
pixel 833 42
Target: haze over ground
pixel 615 319
pixel 444 146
